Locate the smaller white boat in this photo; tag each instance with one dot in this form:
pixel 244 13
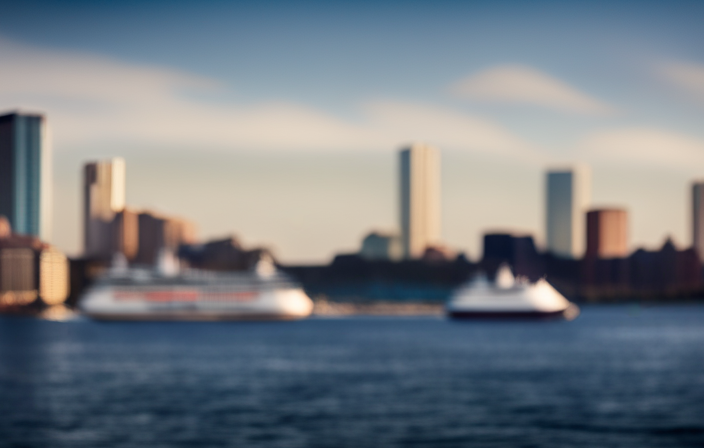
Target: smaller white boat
pixel 508 297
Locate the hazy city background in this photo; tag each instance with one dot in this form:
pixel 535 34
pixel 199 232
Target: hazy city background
pixel 246 121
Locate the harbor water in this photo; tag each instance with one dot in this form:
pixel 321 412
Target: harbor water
pixel 625 376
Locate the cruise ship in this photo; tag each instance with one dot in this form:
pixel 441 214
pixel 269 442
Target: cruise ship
pixel 168 293
pixel 508 297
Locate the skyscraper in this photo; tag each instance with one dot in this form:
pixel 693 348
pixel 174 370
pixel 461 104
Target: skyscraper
pixel 25 174
pixel 698 218
pixel 607 233
pixel 568 194
pixel 104 197
pixel 420 199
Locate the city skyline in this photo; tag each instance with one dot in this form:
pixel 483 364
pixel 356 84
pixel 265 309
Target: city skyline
pixel 110 227
pixel 297 117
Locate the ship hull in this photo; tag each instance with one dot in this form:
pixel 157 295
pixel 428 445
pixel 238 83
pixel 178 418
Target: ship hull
pixel 205 302
pixel 569 313
pixel 192 316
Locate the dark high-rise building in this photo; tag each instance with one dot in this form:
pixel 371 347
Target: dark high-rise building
pixel 25 174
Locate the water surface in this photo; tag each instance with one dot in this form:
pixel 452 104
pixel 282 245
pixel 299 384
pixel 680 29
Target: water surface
pixel 617 376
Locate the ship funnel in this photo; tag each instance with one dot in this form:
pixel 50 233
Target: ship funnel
pixel 118 265
pixel 265 266
pixel 504 277
pixel 167 263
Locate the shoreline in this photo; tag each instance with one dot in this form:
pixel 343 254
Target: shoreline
pixel 327 308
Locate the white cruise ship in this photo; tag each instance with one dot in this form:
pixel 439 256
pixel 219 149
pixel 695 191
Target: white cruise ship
pixel 509 297
pixel 166 293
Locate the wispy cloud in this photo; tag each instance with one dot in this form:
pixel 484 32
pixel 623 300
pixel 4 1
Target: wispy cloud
pixel 447 128
pixel 688 76
pixel 516 84
pixel 92 100
pixel 643 146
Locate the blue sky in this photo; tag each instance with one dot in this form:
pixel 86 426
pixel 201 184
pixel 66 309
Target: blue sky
pixel 286 115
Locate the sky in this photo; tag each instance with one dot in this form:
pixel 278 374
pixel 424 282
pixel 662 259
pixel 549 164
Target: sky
pixel 280 122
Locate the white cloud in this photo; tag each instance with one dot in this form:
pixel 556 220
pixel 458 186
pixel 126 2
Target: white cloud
pixel 524 85
pixel 92 100
pixel 688 76
pixel 643 146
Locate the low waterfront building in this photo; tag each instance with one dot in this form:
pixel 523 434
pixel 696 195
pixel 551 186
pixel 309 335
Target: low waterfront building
pixel 31 272
pixel 158 232
pixel 381 246
pixel 222 255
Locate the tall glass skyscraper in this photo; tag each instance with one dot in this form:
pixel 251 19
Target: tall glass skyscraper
pixel 420 199
pixel 103 198
pixel 25 174
pixel 568 195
